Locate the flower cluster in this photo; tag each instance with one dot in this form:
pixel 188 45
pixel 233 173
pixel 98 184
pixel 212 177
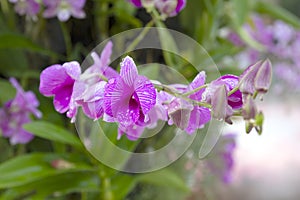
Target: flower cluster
pixel 167 8
pixel 135 102
pixel 16 113
pixel 280 41
pixel 26 7
pixel 63 9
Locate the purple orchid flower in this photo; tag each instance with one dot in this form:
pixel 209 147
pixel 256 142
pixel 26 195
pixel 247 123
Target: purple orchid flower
pixel 26 7
pixel 15 114
pixel 217 95
pixel 178 110
pixel 235 100
pixel 183 113
pixel 132 132
pixel 64 9
pixel 129 97
pixel 169 8
pixel 58 81
pixel 199 115
pixel 88 90
pixel 24 101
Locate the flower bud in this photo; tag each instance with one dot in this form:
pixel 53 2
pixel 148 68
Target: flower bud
pixel 179 112
pixel 219 103
pixel 263 77
pixel 259 120
pixel 256 78
pixel 249 109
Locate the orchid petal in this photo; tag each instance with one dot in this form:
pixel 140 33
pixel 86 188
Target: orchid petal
pixel 198 81
pixel 52 79
pixel 72 69
pixel 61 100
pixel 22 137
pixel 146 93
pixel 128 71
pixel 106 53
pixel 94 109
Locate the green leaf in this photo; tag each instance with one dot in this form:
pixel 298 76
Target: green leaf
pixel 277 12
pixel 7 91
pixel 13 67
pixel 28 168
pixel 167 43
pixel 241 10
pixel 164 177
pixel 52 132
pixel 60 184
pixel 15 41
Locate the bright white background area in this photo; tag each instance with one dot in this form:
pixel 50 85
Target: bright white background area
pixel 268 166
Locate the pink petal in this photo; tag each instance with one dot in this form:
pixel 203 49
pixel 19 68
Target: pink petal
pixel 124 114
pixel 63 15
pixel 52 79
pixel 106 53
pixel 62 99
pixel 73 69
pixel 198 81
pixel 146 93
pixel 78 13
pixel 109 94
pixel 116 95
pixel 50 12
pixel 16 85
pixel 77 3
pixel 137 3
pixel 133 132
pixel 128 71
pixel 94 92
pixel 94 109
pixel 21 137
pixel 52 3
pixel 199 117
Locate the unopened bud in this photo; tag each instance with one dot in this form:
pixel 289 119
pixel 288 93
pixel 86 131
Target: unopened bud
pixel 61 164
pixel 263 77
pixel 256 77
pixel 166 7
pixel 259 120
pixel 249 108
pixel 179 112
pixel 219 103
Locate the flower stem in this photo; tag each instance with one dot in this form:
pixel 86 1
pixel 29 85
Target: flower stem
pixel 105 186
pixel 140 36
pixel 174 92
pixel 67 39
pixel 234 90
pixel 195 90
pixel 10 16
